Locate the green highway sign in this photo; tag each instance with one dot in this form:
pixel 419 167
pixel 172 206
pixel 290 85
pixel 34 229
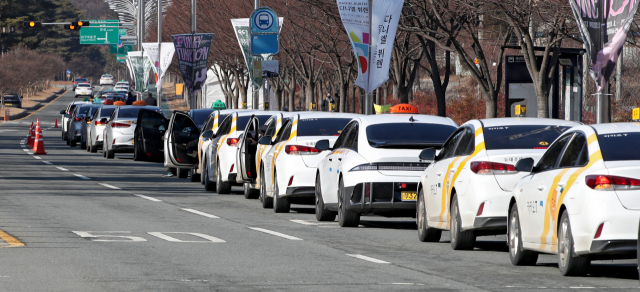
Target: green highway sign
pixel 122 50
pixel 121 58
pixel 102 22
pixel 99 35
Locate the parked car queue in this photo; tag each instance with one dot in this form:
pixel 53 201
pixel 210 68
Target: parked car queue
pixel 552 186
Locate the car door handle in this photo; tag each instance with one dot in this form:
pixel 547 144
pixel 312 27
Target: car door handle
pixel 439 173
pixel 562 184
pixel 541 187
pixel 339 159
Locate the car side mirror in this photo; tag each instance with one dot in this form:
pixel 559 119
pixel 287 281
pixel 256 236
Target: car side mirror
pixel 62 112
pixel 323 145
pixel 266 140
pixel 525 165
pixel 104 120
pixel 207 134
pixel 428 154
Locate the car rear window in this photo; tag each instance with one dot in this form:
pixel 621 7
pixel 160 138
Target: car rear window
pixel 131 113
pixel 241 123
pixel 322 126
pixel 408 135
pixel 521 137
pixel 81 79
pixel 620 146
pixel 84 85
pixel 106 112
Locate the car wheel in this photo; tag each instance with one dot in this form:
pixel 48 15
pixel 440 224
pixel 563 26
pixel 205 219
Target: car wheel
pixel 93 148
pixel 280 205
pixel 267 202
pixel 194 176
pixel 64 136
pixel 72 142
pixel 136 153
pixel 346 217
pixel 460 240
pixel 322 214
pixel 222 188
pixel 249 192
pixel 109 154
pixel 83 145
pixel 569 263
pixel 209 186
pixel 104 151
pixel 518 256
pixel 202 175
pixel 425 233
pixel 183 173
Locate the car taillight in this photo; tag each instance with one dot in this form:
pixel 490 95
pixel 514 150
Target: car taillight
pixel 231 170
pixel 232 141
pixel 599 231
pixel 301 150
pixel 290 181
pixel 610 182
pixel 480 210
pixel 77 119
pixel 98 123
pixel 120 125
pixel 487 167
pixel 97 137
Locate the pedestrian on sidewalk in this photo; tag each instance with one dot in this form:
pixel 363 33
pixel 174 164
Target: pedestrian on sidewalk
pixel 150 100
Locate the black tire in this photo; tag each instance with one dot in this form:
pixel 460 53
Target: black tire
pixel 183 173
pixel 136 153
pixel 346 218
pixel 249 192
pixel 222 188
pixel 460 240
pixel 322 214
pixel 64 136
pixel 267 202
pixel 93 148
pixel 83 145
pixel 110 154
pixel 518 255
pixel 202 174
pixel 195 177
pixel 104 152
pixel 569 263
pixel 68 142
pixel 425 233
pixel 209 186
pixel 280 205
pixel 73 143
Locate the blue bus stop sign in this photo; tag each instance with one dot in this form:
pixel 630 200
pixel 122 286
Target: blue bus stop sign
pixel 264 20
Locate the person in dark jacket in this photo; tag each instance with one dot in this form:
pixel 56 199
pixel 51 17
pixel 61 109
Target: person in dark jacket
pixel 130 99
pixel 150 100
pixel 328 104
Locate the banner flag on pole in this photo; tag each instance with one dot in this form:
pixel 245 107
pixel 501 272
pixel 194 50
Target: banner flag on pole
pixel 160 64
pixel 193 52
pixel 140 67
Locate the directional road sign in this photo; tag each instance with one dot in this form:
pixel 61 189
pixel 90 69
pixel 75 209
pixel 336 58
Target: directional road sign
pixel 68 72
pixel 124 49
pixel 100 35
pixel 121 58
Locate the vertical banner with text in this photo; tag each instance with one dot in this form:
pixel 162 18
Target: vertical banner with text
pixel 372 27
pixel 603 25
pixel 192 51
pixel 161 62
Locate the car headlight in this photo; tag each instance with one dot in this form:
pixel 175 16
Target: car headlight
pixel 392 166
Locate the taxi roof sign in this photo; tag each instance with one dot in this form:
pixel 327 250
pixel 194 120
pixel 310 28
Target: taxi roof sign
pixel 218 105
pixel 403 108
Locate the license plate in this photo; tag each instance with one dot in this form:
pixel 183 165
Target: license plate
pixel 8 104
pixel 409 196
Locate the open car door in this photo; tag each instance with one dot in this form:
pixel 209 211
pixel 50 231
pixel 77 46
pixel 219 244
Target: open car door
pixel 246 154
pixel 150 128
pixel 183 141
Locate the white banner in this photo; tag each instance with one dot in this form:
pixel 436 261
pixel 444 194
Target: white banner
pixel 140 67
pixel 371 38
pixel 159 64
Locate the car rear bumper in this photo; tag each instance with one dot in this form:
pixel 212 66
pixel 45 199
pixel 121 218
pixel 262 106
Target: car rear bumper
pixel 620 249
pixel 381 197
pixel 122 149
pixel 301 191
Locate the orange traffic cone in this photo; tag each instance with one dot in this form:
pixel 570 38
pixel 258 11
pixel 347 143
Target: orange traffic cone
pixel 30 136
pixel 38 147
pixel 56 124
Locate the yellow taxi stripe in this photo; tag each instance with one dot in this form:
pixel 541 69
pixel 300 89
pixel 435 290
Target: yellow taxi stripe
pixel 547 212
pixel 233 124
pixel 294 133
pixel 445 189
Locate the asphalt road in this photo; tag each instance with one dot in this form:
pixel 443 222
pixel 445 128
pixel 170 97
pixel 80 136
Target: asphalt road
pixel 92 224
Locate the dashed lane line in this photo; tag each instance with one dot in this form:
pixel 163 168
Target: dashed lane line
pixel 366 258
pixel 81 176
pixel 25 149
pixel 62 168
pixel 200 213
pixel 37 157
pixel 109 186
pixel 148 198
pixel 47 162
pixel 275 233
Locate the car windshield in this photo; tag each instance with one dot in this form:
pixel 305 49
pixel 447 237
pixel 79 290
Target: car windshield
pixel 106 112
pixel 321 126
pixel 241 123
pixel 408 135
pixel 620 146
pixel 200 116
pixel 521 137
pixel 84 85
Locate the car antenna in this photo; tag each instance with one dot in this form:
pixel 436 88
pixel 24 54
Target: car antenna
pixel 411 119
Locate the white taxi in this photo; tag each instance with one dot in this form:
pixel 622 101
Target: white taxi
pixel 468 186
pixel 374 166
pixel 288 170
pixel 581 200
pixel 84 89
pixel 220 158
pixel 106 79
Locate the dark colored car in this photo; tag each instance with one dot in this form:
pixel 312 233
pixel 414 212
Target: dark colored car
pixel 79 80
pixel 12 99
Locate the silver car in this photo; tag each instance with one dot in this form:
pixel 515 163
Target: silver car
pixel 74 127
pixel 119 132
pixel 96 127
pixel 66 114
pixel 86 123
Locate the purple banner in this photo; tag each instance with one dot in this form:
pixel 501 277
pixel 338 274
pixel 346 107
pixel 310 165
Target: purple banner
pixel 192 51
pixel 603 25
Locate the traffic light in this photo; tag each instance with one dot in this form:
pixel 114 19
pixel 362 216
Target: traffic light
pixel 80 24
pixel 30 24
pixel 71 27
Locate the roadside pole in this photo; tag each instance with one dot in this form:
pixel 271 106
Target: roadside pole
pixel 141 22
pixel 193 97
pixel 159 88
pixel 256 91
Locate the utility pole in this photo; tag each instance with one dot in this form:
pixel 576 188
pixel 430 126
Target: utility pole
pixel 619 77
pixel 256 91
pixel 159 88
pixel 193 97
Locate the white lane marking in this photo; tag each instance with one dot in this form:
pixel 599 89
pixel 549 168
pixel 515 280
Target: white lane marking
pixel 81 176
pixel 166 237
pixel 275 233
pixel 62 168
pixel 30 153
pixel 92 236
pixel 109 186
pixel 26 150
pixel 319 224
pixel 47 162
pixel 366 258
pixel 37 157
pixel 148 198
pixel 200 213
